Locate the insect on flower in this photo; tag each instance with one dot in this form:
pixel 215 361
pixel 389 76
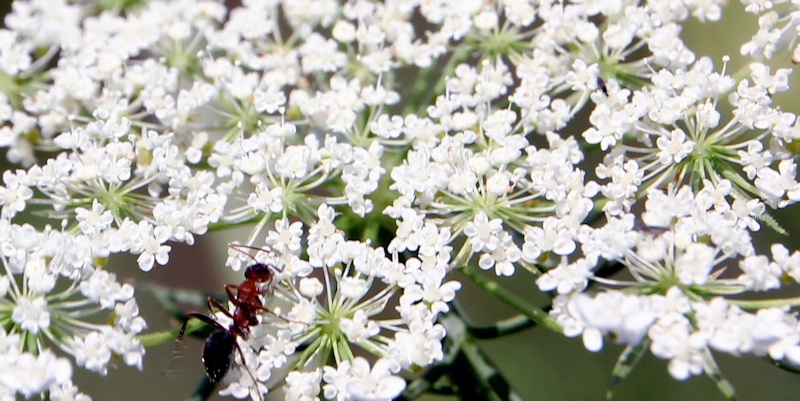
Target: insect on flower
pixel 218 351
pixel 602 86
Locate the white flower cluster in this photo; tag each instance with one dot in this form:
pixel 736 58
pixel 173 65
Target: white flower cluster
pixel 49 294
pixel 678 329
pixel 30 374
pixel 338 299
pixel 690 241
pixel 775 29
pixel 444 134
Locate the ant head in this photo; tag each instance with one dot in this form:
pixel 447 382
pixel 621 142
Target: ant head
pixel 260 272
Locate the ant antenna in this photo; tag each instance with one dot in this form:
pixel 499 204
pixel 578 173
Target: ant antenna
pixel 238 248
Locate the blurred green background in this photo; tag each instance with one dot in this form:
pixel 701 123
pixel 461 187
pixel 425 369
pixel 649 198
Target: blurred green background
pixel 541 365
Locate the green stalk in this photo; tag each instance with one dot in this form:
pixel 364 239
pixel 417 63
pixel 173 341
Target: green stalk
pixel 764 303
pixel 515 302
pixel 161 337
pixel 222 225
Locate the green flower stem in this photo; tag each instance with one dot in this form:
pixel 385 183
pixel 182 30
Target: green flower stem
pixel 30 342
pixel 459 56
pixel 313 349
pixel 712 371
pixel 344 348
pixel 161 337
pixel 473 374
pixel 626 364
pixel 515 302
pixel 502 328
pixel 782 365
pixel 204 390
pixel 765 303
pixel 222 225
pixel 370 232
pixel 499 329
pixel 424 92
pixel 258 228
pixel 598 205
pixel 371 347
pixel 738 180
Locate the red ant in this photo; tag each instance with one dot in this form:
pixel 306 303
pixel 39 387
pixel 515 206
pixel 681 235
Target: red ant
pixel 219 348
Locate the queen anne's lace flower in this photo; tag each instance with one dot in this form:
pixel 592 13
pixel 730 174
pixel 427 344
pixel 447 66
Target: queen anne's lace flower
pixel 153 122
pixel 330 309
pixel 689 245
pixel 40 305
pixel 30 374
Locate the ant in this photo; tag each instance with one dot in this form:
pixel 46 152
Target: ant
pixel 219 349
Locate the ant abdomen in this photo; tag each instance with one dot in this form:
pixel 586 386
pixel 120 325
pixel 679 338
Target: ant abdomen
pixel 217 354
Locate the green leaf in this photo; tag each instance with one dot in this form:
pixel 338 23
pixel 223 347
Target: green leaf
pixel 625 364
pixel 770 222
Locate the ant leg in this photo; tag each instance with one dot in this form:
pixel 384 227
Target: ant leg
pixel 214 304
pixel 231 295
pixel 247 368
pixel 177 354
pixel 251 306
pixel 199 316
pixel 265 309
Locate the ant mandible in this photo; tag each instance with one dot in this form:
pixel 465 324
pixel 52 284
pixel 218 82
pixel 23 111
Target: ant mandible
pixel 219 348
